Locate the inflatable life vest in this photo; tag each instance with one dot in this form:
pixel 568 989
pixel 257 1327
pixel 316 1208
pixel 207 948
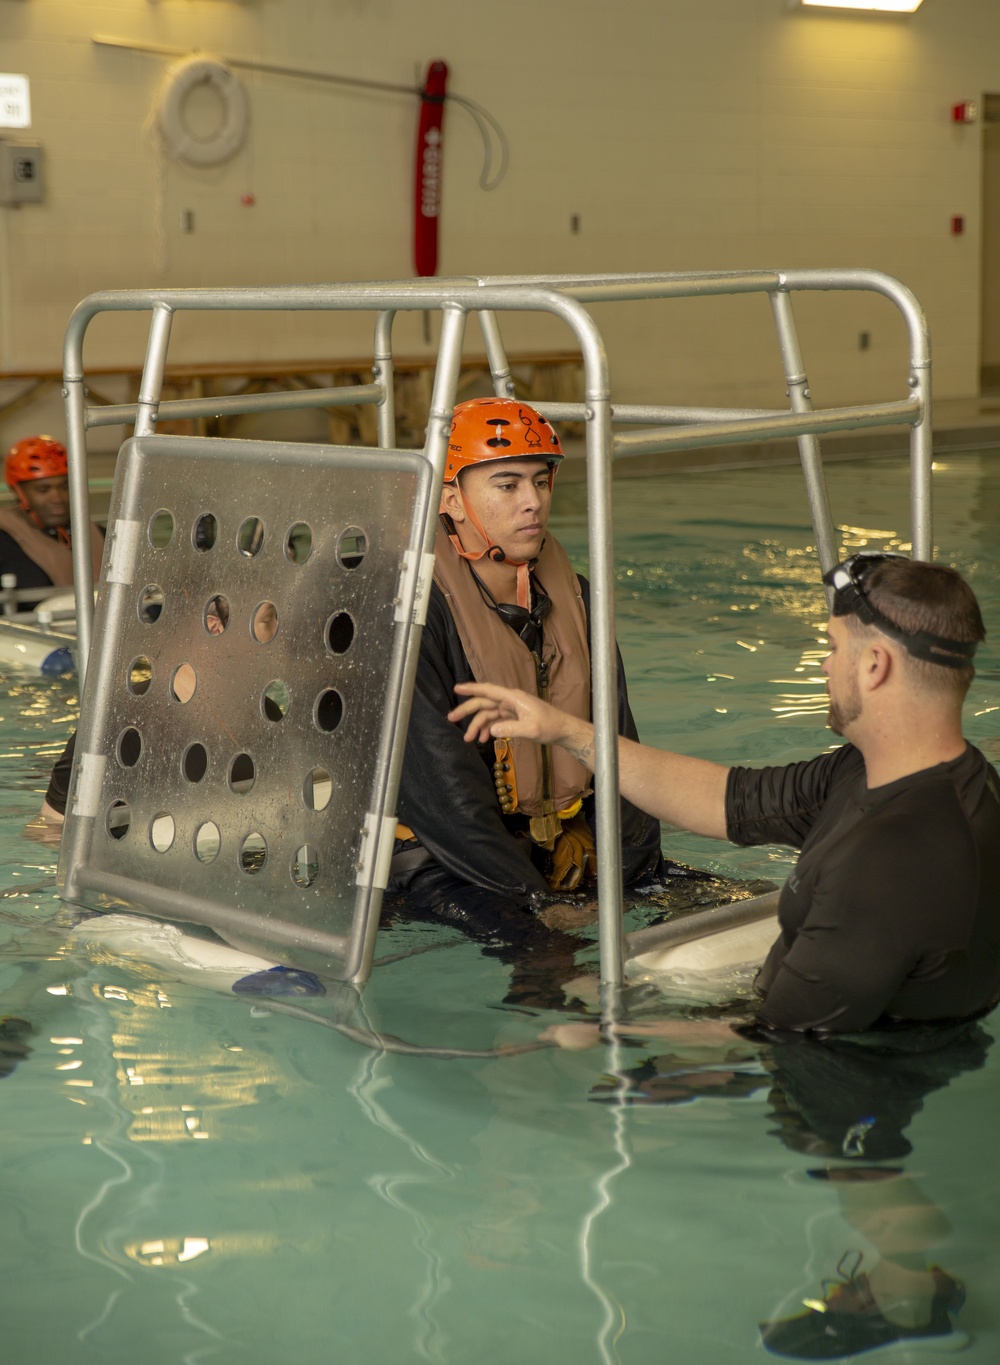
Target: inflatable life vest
pixel 545 783
pixel 53 556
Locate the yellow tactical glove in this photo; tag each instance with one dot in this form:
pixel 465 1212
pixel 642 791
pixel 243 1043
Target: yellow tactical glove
pixel 574 854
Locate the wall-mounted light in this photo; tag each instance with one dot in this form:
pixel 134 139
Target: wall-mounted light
pixel 882 6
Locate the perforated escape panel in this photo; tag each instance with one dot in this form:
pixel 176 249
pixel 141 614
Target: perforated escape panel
pixel 244 687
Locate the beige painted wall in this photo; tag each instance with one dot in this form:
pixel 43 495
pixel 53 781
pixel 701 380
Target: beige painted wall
pixel 686 134
pixel 991 247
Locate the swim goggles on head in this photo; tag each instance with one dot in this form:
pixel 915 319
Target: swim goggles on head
pixel 847 580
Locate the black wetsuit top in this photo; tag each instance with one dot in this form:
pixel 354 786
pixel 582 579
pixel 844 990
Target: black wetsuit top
pixel 59 780
pixel 29 574
pixel 893 910
pixel 447 791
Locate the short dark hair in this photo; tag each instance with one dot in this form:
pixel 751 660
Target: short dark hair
pixel 927 597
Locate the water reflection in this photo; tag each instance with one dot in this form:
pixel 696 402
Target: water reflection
pixel 215 1182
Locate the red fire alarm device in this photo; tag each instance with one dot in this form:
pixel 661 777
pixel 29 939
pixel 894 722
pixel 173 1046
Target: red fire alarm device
pixel 966 112
pixel 957 224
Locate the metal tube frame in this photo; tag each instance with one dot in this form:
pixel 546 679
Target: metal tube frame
pixel 563 296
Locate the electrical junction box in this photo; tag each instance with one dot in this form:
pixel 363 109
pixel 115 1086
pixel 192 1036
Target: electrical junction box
pixel 21 179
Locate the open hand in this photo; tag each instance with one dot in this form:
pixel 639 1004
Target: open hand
pixel 507 713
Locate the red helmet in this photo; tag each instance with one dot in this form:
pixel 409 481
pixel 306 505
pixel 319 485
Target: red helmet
pixel 36 457
pixel 486 429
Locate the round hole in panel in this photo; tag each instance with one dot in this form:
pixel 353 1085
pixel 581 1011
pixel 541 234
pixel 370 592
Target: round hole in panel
pixel 242 773
pixel 118 819
pixel 161 831
pixel 250 537
pixel 317 789
pixel 298 543
pixel 140 675
pixel 207 842
pixel 329 709
pixel 129 747
pixel 253 853
pixel 160 529
pixel 215 617
pixel 205 532
pixel 305 866
pixel 264 623
pixel 352 546
pixel 183 683
pixel 340 632
pixel 194 764
pixel 150 603
pixel 275 701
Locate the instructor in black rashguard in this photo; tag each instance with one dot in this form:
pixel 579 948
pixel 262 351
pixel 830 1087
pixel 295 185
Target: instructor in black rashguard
pixel 890 922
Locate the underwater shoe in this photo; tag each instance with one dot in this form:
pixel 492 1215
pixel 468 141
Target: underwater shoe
pixel 847 1322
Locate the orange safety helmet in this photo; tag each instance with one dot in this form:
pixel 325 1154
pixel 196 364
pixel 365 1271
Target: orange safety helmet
pixel 35 457
pixel 486 429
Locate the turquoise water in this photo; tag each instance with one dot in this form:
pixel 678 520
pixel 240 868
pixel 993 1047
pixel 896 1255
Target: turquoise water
pixel 187 1179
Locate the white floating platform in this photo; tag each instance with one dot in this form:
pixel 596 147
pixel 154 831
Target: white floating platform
pixel 45 645
pixel 745 943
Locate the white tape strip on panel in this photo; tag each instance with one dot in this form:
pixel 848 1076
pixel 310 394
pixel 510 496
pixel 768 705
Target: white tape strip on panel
pixel 124 545
pixel 423 566
pixel 86 798
pixel 377 840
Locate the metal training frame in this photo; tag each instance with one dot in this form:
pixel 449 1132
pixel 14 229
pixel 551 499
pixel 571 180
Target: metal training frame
pixel 662 428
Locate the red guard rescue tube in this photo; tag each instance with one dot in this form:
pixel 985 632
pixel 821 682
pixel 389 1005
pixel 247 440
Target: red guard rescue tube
pixel 427 179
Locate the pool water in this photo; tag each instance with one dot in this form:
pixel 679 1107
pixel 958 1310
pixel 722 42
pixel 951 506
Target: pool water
pixel 189 1178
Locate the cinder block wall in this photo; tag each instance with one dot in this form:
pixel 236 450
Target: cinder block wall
pixel 683 134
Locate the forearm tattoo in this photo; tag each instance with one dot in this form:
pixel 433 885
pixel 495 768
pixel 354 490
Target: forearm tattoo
pixel 583 752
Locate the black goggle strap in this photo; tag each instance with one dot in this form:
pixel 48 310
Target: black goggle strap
pixel 525 623
pixel 850 598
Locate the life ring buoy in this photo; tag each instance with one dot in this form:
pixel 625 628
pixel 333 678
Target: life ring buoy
pixel 180 79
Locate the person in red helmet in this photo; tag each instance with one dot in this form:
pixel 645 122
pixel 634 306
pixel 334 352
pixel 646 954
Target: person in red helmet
pixel 35 543
pixel 492 835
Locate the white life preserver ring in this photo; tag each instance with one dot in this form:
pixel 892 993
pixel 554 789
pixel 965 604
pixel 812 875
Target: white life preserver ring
pixel 180 80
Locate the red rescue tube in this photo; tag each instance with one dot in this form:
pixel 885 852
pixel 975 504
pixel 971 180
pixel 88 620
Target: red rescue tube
pixel 427 179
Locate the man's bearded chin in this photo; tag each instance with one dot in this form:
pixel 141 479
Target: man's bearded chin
pixel 845 713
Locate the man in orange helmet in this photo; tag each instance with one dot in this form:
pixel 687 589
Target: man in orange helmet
pixel 490 834
pixel 34 535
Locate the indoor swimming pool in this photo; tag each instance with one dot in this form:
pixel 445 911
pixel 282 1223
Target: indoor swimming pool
pixel 188 1177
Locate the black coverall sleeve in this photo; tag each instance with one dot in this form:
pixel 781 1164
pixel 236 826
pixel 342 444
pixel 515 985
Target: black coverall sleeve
pixel 446 793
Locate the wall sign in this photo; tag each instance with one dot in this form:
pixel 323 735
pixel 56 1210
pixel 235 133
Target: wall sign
pixel 15 101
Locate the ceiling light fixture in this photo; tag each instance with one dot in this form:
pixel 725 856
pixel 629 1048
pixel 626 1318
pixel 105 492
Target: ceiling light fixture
pixel 883 6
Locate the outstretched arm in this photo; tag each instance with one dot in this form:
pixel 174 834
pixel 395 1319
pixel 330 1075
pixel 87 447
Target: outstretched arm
pixel 689 792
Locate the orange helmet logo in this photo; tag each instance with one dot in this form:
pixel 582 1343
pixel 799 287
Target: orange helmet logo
pixel 485 429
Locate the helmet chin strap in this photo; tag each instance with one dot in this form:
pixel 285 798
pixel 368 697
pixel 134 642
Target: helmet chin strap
pixel 492 551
